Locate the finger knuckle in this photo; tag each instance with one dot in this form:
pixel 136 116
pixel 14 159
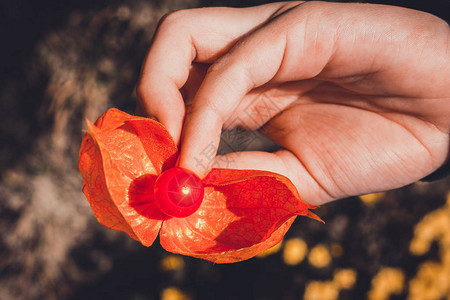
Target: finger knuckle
pixel 219 65
pixel 173 19
pixel 228 65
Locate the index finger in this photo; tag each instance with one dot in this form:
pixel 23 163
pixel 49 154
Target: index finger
pixel 182 37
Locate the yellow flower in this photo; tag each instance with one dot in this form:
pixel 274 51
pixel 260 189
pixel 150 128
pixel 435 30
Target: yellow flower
pixel 172 263
pixel 345 278
pixel 373 198
pixel 388 281
pixel 319 256
pixel 321 290
pixel 173 293
pixel 294 251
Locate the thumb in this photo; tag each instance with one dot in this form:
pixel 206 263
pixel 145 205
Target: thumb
pixel 282 162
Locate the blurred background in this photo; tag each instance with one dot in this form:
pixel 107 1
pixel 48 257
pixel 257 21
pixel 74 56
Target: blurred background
pixel 65 61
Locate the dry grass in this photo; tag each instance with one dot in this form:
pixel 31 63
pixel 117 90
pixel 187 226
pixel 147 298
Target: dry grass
pixel 89 64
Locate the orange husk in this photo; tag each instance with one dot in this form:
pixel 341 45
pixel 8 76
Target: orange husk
pixel 243 212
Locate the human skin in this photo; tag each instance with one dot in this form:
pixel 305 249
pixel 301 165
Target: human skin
pixel 360 92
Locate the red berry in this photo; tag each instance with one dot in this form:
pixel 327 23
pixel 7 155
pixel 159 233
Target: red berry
pixel 178 192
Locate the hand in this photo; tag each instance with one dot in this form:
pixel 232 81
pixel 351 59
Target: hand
pixel 360 92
